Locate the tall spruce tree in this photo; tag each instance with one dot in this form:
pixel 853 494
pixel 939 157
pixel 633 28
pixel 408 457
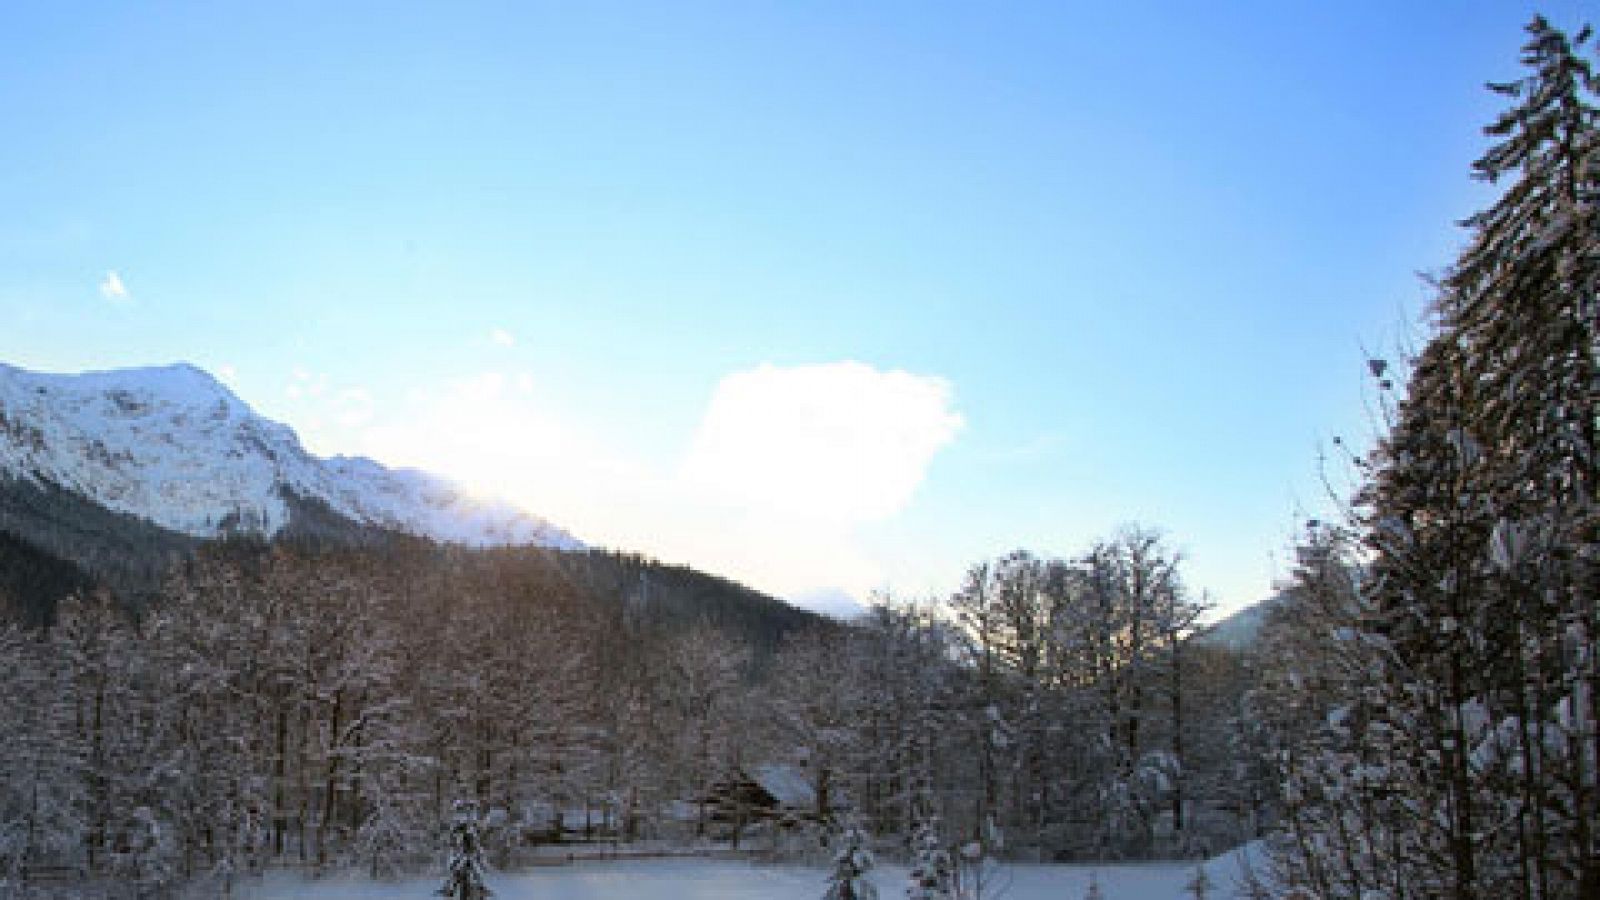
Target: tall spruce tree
pixel 1458 758
pixel 1524 301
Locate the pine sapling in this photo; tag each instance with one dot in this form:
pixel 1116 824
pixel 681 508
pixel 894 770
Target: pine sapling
pixel 464 872
pixel 977 875
pixel 932 871
pixel 851 863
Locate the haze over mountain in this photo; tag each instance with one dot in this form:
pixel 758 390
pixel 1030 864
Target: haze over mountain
pixel 174 447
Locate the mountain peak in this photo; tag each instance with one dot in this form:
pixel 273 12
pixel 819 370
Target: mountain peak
pixel 177 384
pixel 178 375
pixel 177 380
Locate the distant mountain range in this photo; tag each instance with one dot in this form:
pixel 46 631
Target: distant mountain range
pixel 174 447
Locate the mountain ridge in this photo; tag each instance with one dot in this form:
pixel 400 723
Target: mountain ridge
pixel 175 447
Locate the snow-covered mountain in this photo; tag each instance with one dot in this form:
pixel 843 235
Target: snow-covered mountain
pixel 1242 629
pixel 173 446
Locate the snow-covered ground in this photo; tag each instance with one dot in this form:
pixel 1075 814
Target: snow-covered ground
pixel 703 879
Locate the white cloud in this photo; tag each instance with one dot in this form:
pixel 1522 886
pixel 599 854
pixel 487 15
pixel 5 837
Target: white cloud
pixel 494 433
pixel 841 441
pixel 305 383
pixel 785 467
pixel 353 407
pixel 308 383
pixel 502 338
pixel 113 289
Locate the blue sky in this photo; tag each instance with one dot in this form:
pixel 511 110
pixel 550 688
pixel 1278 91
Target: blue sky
pixel 822 296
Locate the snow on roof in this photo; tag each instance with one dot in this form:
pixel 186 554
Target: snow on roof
pixel 787 784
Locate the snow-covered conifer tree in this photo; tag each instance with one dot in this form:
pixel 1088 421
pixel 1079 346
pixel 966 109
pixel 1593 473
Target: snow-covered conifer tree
pixel 1458 754
pixel 852 861
pixel 465 869
pixel 932 871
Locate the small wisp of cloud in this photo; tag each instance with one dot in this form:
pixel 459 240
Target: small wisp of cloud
pixel 502 338
pixel 113 289
pixel 305 383
pixel 1035 449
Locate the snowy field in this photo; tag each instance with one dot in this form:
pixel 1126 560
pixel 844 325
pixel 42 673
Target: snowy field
pixel 701 879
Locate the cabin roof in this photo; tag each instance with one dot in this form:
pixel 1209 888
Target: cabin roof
pixel 787 785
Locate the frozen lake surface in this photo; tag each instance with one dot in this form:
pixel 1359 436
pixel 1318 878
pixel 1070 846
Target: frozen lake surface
pixel 702 879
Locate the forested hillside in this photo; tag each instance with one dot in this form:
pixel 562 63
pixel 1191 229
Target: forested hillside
pixel 278 703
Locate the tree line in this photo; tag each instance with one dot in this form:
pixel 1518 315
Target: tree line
pixel 280 704
pixel 1072 706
